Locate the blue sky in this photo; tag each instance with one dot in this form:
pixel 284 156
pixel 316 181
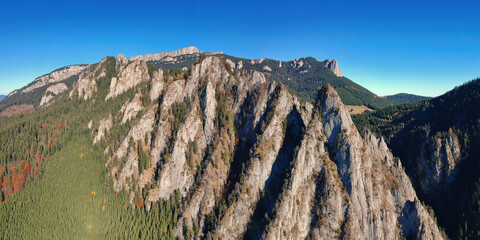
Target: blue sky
pixel 421 47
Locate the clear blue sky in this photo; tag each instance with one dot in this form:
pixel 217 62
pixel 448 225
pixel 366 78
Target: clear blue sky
pixel 420 47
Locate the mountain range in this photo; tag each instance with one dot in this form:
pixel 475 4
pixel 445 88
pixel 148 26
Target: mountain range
pixel 301 76
pixel 196 145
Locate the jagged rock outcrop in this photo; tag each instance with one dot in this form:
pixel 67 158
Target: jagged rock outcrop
pixel 160 56
pixel 416 222
pixel 333 66
pixel 132 108
pixel 86 85
pixel 377 186
pixel 103 128
pixel 250 159
pixel 12 93
pixel 51 92
pixel 267 68
pixel 437 163
pixel 129 172
pixel 55 76
pixel 129 74
pixel 157 84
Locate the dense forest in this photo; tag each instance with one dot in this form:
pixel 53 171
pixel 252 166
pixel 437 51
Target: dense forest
pixel 402 98
pixel 44 194
pixel 406 128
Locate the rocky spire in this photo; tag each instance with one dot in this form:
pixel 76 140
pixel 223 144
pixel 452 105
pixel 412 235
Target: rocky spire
pixel 333 66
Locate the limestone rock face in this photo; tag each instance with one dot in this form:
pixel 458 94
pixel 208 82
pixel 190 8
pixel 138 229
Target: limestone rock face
pixel 267 68
pixel 377 186
pixel 103 128
pixel 416 223
pixel 129 154
pixel 129 74
pixel 159 56
pixel 131 108
pixel 250 159
pixel 439 169
pixel 55 76
pixel 333 65
pixel 157 84
pixel 51 92
pixel 175 175
pixel 12 93
pixel 86 85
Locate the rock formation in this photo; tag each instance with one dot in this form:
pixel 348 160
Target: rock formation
pixel 55 76
pixel 251 159
pixel 129 74
pixel 159 56
pixel 333 65
pixel 51 92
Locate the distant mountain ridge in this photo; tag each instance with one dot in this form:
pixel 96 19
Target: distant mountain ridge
pixel 402 98
pixel 2 97
pixel 302 76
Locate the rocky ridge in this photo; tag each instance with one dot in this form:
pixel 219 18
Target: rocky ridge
pixel 55 76
pixel 51 92
pixel 160 56
pixel 248 158
pixel 333 65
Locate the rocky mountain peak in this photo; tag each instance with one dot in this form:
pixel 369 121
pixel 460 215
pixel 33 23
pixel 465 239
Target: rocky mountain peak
pixel 121 58
pixel 379 190
pixel 333 65
pixel 159 56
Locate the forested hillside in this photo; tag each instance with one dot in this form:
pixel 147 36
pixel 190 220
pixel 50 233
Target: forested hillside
pixel 438 141
pixel 402 98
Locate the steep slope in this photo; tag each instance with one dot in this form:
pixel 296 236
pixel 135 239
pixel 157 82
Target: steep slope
pixel 232 144
pixel 214 152
pixel 44 88
pixel 437 140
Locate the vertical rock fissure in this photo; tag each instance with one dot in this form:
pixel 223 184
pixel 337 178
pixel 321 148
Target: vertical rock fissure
pixel 247 139
pixel 278 178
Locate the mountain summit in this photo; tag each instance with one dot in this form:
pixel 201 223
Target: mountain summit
pixel 333 65
pixel 160 56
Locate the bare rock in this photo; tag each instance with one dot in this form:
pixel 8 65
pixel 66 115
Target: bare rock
pixel 158 56
pixel 87 81
pixel 174 175
pixel 130 166
pixel 333 66
pixel 103 128
pixel 55 76
pixel 132 108
pixel 439 169
pixel 157 84
pixel 130 73
pixel 51 92
pixel 267 68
